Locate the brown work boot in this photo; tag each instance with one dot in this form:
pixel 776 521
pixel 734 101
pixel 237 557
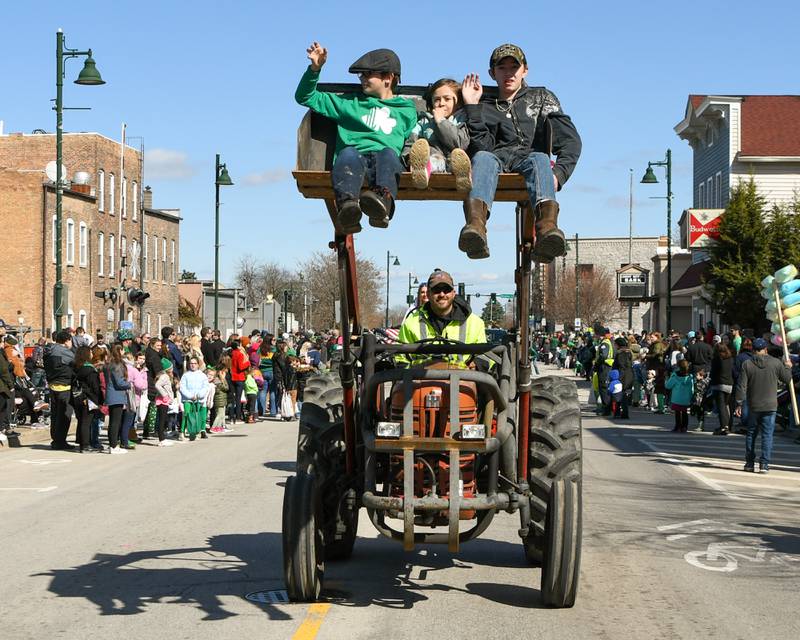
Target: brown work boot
pixel 378 204
pixel 472 239
pixel 550 242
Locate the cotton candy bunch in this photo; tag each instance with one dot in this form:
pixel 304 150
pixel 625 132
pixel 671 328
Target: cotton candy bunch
pixel 787 285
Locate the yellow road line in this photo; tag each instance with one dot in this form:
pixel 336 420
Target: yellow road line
pixel 310 627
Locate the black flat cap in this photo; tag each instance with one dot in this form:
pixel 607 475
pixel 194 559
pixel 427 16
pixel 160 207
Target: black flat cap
pixel 379 60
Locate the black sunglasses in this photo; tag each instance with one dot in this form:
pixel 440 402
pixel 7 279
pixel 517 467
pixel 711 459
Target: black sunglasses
pixel 442 288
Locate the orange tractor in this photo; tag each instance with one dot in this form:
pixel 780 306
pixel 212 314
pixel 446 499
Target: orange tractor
pixel 430 452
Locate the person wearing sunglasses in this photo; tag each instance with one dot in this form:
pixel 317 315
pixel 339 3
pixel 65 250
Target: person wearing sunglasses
pixel 444 315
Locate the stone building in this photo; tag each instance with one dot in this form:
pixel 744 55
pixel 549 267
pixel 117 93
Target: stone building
pixel 106 216
pixel 612 254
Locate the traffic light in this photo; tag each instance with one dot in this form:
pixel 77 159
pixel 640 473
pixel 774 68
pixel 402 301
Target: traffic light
pixel 462 289
pixel 109 295
pixel 493 297
pixel 137 296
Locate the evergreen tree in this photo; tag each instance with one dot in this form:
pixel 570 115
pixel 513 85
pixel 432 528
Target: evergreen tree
pixel 752 245
pixel 493 313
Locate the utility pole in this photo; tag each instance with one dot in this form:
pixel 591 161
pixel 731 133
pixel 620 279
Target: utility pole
pixel 630 248
pixel 577 281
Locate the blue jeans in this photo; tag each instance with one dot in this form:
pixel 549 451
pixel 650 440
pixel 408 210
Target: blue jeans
pixel 535 168
pixel 763 421
pixel 268 388
pixel 382 168
pixel 94 430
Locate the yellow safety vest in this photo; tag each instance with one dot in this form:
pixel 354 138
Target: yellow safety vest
pixel 418 327
pixel 610 359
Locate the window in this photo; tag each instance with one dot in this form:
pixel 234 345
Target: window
pixel 135 257
pixel 82 319
pixel 710 193
pixel 701 196
pixel 123 253
pixel 147 324
pixel 83 244
pixel 172 262
pixel 70 319
pixel 70 241
pixel 718 189
pixel 155 262
pixel 101 253
pixel 111 194
pixel 144 257
pixel 112 250
pixel 53 234
pixel 101 190
pixel 158 318
pixel 163 259
pixel 124 197
pixel 135 201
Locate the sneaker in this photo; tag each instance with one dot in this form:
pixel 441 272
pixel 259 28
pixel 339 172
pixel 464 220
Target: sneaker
pixel 116 451
pixel 40 405
pixel 203 435
pixel 349 216
pixel 419 161
pixel 217 429
pixel 227 430
pixel 763 468
pixel 750 468
pixel 166 443
pixel 378 204
pixel 38 425
pixel 461 168
pixel 10 433
pixel 721 431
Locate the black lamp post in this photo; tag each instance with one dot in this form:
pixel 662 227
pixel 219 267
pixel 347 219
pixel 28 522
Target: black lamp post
pixel 396 264
pixel 221 178
pixel 89 75
pixel 650 178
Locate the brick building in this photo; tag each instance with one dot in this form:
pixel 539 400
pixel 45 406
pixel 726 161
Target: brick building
pixel 105 215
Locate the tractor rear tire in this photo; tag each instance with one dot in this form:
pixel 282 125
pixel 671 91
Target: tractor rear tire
pixel 562 549
pixel 321 447
pixel 555 451
pixel 303 552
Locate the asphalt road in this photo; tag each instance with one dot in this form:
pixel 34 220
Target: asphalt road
pixel 167 542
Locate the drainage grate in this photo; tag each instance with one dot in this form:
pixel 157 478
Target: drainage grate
pixel 268 597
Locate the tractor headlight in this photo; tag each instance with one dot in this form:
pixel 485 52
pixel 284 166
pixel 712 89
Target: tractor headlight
pixel 473 431
pixel 389 429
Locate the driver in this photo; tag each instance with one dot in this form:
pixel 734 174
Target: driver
pixel 444 315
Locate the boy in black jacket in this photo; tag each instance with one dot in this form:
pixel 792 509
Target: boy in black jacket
pixel 516 133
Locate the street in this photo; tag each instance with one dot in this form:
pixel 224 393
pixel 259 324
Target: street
pixel 168 542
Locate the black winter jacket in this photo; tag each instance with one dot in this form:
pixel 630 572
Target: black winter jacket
pixel 58 361
pixel 536 124
pixel 623 362
pixel 721 371
pixel 90 382
pixel 152 360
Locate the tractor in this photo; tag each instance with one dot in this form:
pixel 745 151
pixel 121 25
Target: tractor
pixel 430 451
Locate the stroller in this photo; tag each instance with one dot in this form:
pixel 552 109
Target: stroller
pixel 31 400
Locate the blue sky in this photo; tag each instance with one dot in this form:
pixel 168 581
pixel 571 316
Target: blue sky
pixel 200 78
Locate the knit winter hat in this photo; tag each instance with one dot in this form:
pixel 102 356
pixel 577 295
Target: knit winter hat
pixel 166 364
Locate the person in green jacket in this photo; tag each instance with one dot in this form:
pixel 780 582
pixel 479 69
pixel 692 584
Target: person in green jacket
pixel 372 127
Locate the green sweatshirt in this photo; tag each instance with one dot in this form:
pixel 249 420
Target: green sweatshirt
pixel 364 122
pixel 250 386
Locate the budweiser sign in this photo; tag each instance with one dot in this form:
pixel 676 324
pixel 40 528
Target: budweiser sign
pixel 703 226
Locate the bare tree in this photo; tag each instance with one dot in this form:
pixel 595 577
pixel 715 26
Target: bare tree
pixel 396 314
pixel 321 279
pixel 261 279
pixel 597 300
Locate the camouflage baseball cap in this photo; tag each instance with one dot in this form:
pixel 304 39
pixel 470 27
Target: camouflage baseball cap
pixel 507 51
pixel 439 277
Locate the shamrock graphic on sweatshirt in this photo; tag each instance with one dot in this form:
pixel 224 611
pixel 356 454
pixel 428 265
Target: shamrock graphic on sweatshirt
pixel 379 119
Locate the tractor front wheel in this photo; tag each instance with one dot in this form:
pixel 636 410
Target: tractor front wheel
pixel 303 552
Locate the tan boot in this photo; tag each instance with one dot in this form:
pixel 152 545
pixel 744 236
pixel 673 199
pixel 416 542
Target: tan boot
pixel 472 239
pixel 550 242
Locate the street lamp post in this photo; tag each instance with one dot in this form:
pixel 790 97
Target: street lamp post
pixel 650 178
pixel 396 264
pixel 410 297
pixel 221 178
pixel 89 75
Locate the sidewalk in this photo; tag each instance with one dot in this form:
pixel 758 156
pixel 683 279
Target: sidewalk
pixel 716 461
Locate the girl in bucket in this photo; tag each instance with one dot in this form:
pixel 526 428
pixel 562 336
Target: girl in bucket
pixel 438 142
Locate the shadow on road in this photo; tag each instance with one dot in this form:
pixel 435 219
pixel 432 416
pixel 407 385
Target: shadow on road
pixel 378 574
